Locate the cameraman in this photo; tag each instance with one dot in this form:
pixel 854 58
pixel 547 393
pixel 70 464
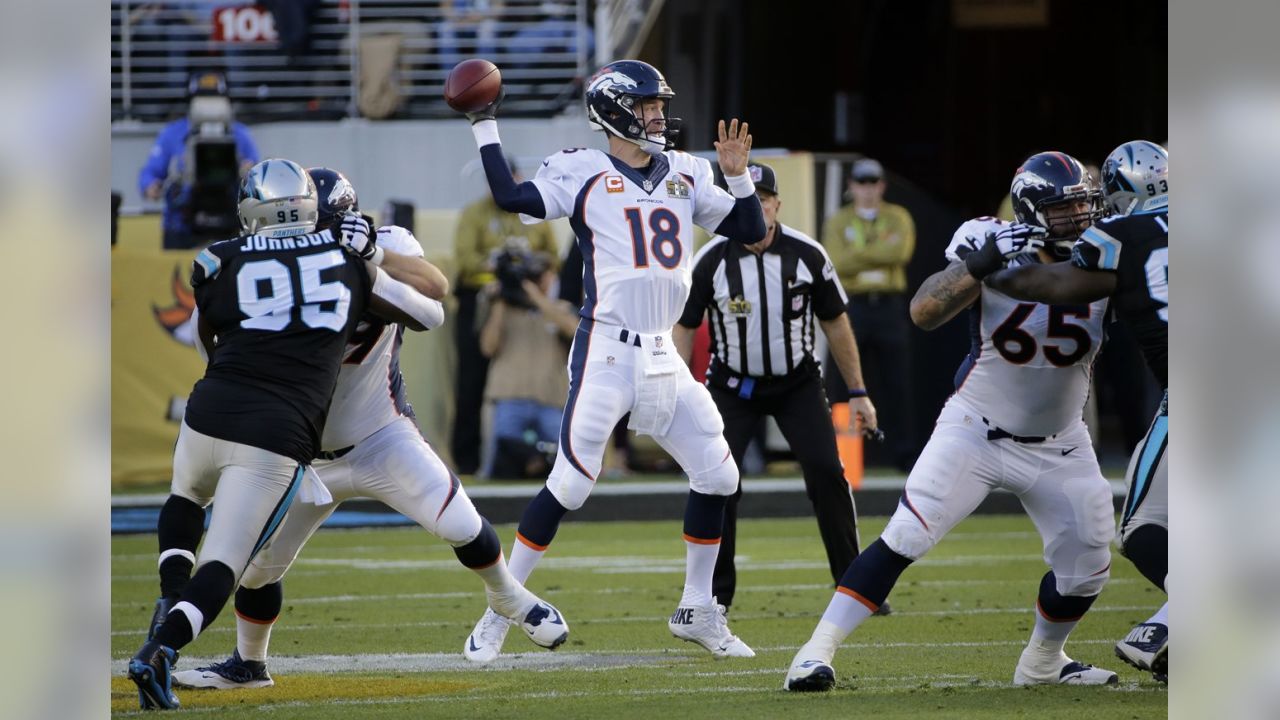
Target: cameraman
pixel 196 164
pixel 526 338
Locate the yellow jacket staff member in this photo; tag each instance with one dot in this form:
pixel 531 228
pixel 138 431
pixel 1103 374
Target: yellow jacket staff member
pixel 870 241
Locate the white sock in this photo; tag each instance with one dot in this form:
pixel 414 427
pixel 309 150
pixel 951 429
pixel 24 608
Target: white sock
pixel 252 638
pixel 699 567
pixel 523 559
pixel 507 597
pixel 1047 639
pixel 844 614
pixel 1161 616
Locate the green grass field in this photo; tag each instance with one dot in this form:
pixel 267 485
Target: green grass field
pixel 356 598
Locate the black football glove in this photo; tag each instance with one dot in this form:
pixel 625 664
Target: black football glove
pixel 490 111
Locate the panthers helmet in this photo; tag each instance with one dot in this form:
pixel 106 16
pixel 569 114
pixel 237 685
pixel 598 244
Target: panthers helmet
pixel 278 199
pixel 612 97
pixel 1051 178
pixel 1135 178
pixel 335 195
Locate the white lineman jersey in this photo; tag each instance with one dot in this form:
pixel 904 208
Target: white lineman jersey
pixel 1029 364
pixel 370 392
pixel 635 229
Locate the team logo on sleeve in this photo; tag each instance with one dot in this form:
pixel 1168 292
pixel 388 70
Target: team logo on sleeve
pixel 613 183
pixel 677 187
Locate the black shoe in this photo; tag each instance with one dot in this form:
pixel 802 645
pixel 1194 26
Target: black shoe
pixel 151 670
pixel 163 606
pixel 884 609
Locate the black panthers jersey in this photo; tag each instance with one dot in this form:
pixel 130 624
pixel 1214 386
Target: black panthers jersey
pixel 1136 249
pixel 282 310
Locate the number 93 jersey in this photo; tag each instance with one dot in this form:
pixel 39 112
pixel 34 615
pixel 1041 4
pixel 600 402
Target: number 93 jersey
pixel 635 229
pixel 1135 248
pixel 282 310
pixel 1029 364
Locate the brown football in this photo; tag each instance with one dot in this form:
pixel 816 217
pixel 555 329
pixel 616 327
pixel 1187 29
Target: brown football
pixel 472 84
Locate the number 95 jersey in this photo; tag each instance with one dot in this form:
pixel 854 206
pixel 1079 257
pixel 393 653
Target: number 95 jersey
pixel 1029 364
pixel 635 229
pixel 282 310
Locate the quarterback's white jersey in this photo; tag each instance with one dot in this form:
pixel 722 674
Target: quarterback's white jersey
pixel 1030 364
pixel 635 230
pixel 370 392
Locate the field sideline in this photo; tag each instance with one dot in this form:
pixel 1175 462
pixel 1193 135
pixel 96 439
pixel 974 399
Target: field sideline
pixel 374 623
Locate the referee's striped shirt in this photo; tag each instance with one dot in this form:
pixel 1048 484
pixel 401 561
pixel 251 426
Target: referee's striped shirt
pixel 762 307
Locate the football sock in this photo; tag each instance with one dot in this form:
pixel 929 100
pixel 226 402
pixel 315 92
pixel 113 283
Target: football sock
pixel 864 588
pixel 482 551
pixel 256 613
pixel 537 529
pixel 1056 617
pixel 199 605
pixel 1148 549
pixel 1162 616
pixel 703 525
pixel 179 529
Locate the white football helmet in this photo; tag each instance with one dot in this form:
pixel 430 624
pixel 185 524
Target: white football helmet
pixel 278 199
pixel 1135 178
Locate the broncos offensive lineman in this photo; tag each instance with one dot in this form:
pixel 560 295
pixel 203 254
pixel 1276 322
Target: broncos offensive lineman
pixel 1126 257
pixel 632 211
pixel 373 450
pixel 281 301
pixel 1014 422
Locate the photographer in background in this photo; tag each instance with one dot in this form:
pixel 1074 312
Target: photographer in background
pixel 526 338
pixel 196 164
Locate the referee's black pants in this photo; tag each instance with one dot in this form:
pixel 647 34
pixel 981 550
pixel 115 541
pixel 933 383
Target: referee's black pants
pixel 799 405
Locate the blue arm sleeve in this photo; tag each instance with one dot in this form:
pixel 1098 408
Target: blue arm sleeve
pixel 745 222
pixel 523 198
pixel 245 145
pixel 157 166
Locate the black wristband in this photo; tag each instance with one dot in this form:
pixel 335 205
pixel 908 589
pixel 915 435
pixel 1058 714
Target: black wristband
pixel 859 393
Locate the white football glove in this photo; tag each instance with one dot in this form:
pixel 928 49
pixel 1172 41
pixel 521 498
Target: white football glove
pixel 998 246
pixel 356 237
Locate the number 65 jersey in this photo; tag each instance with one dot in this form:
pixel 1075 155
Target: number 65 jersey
pixel 1029 364
pixel 635 229
pixel 282 310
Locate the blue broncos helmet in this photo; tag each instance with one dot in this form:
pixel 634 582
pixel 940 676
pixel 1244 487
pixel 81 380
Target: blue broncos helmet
pixel 335 194
pixel 613 94
pixel 1135 178
pixel 1052 178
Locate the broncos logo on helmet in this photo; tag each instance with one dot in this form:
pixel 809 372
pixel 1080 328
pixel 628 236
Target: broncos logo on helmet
pixel 613 96
pixel 335 195
pixel 1048 180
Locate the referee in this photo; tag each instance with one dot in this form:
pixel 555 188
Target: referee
pixel 762 300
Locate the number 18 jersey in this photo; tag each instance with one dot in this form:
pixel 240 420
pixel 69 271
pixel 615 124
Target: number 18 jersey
pixel 635 229
pixel 282 310
pixel 1029 364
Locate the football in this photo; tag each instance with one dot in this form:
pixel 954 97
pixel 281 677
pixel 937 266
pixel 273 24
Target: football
pixel 472 84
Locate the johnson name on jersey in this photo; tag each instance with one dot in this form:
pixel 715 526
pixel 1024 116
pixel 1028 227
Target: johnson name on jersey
pixel 370 392
pixel 282 310
pixel 1029 364
pixel 1135 248
pixel 635 229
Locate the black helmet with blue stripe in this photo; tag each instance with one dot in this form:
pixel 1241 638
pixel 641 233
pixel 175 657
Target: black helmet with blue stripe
pixel 613 98
pixel 335 195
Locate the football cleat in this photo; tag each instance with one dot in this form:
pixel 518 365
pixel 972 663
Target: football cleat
pixel 1140 646
pixel 485 641
pixel 708 627
pixel 545 626
pixel 151 670
pixel 884 609
pixel 1069 672
pixel 809 676
pixel 1160 663
pixel 163 606
pixel 234 672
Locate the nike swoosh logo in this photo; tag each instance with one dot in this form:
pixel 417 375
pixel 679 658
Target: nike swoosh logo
pixel 471 640
pixel 1068 452
pixel 556 620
